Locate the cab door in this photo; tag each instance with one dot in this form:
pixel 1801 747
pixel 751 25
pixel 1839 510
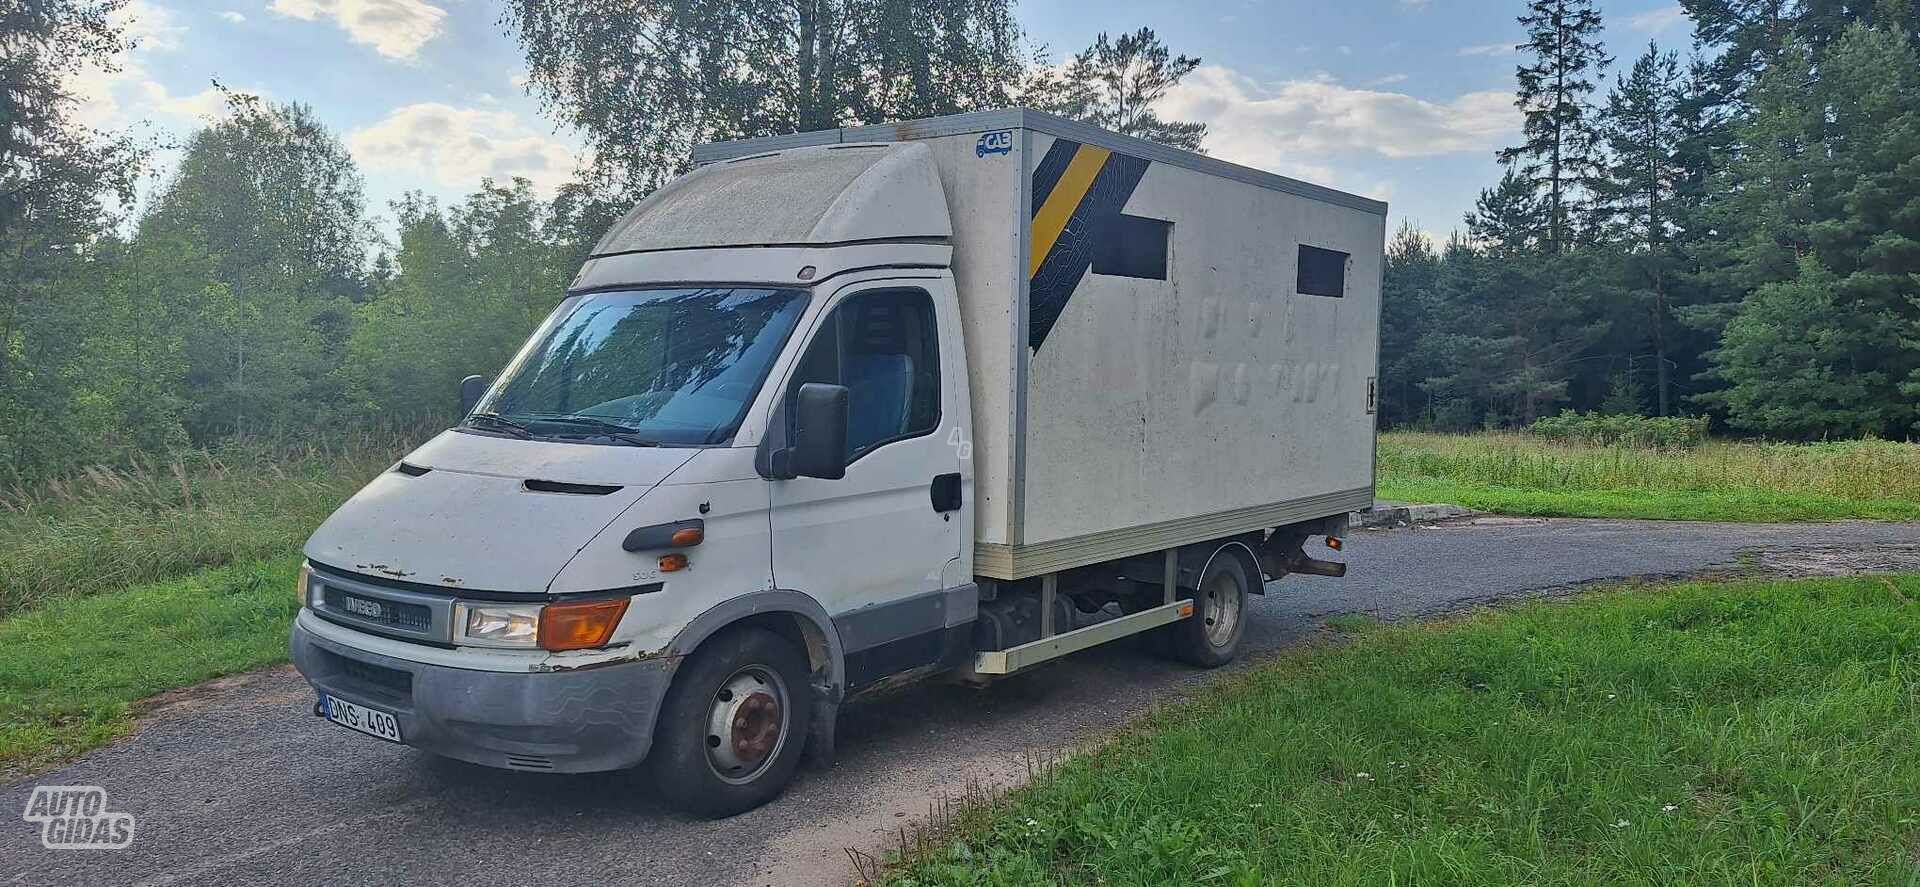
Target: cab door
pixel 873 546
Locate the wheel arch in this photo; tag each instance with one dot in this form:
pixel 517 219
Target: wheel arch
pixel 1195 559
pixel 791 614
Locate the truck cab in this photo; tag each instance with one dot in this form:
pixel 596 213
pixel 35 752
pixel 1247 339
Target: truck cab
pixel 521 590
pixel 728 484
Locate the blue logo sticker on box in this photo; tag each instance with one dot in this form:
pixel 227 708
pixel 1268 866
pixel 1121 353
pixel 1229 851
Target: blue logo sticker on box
pixel 994 143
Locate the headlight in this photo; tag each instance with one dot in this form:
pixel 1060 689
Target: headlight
pixel 303 584
pixel 497 625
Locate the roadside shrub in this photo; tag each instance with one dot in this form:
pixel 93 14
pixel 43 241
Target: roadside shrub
pixel 1600 429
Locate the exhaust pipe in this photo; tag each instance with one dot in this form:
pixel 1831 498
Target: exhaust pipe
pixel 1282 553
pixel 1316 567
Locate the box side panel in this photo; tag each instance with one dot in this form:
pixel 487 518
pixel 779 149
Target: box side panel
pixel 980 173
pixel 1216 390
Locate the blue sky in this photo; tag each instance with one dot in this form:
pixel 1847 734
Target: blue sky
pixel 1403 100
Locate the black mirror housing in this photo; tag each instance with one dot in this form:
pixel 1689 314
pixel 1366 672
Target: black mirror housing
pixel 819 447
pixel 472 388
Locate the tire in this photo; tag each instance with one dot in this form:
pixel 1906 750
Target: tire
pixel 733 725
pixel 1211 637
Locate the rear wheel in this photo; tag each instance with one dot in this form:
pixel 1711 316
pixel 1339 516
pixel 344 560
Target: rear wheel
pixel 1211 636
pixel 733 724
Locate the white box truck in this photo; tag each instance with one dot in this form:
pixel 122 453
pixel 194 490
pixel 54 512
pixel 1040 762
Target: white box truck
pixel 838 410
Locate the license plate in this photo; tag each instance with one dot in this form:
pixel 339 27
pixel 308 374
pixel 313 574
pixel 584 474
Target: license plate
pixel 372 722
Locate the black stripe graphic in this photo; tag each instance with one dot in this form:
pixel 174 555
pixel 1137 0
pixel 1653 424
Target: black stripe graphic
pixel 1066 264
pixel 1047 173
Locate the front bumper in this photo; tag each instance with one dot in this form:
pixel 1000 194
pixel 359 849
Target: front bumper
pixel 587 720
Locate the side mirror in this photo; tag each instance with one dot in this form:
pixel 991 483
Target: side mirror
pixel 819 447
pixel 472 388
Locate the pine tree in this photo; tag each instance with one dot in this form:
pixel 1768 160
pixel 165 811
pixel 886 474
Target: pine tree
pixel 1752 36
pixel 1409 310
pixel 1828 341
pixel 1509 218
pixel 1114 84
pixel 1561 154
pixel 1644 131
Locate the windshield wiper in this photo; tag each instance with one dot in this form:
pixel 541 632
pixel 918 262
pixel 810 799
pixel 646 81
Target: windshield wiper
pixel 604 428
pixel 497 422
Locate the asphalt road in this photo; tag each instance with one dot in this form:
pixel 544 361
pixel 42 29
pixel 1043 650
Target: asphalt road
pixel 238 782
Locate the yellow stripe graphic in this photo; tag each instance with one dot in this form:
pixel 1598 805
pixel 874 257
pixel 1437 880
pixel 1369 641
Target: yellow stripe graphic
pixel 1062 201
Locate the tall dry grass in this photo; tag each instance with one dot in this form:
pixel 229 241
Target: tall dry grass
pixel 1858 469
pixel 111 526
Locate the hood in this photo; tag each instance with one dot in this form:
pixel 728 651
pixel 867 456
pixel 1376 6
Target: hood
pixel 474 512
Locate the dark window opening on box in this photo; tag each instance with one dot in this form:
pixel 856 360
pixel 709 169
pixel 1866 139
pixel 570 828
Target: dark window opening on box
pixel 1134 247
pixel 1323 272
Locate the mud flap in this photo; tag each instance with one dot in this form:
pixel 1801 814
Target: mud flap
pixel 820 733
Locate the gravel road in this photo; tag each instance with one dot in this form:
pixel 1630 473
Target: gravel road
pixel 236 781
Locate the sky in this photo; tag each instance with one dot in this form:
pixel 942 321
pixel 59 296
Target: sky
pixel 1401 100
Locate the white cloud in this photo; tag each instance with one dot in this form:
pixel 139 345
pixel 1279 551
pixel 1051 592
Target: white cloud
pixel 1488 49
pixel 151 26
pixel 1390 79
pixel 394 28
pixel 201 106
pixel 458 147
pixel 1300 126
pixel 116 100
pixel 1654 21
pixel 1414 4
pixel 233 16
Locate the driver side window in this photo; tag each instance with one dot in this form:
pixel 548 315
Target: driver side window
pixel 883 346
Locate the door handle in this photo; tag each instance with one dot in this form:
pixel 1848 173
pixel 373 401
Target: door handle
pixel 946 492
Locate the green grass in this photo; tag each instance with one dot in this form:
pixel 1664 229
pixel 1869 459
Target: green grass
pixel 109 528
pixel 1751 732
pixel 107 596
pixel 1720 480
pixel 72 669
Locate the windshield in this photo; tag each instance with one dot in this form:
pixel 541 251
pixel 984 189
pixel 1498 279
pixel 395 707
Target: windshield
pixel 674 367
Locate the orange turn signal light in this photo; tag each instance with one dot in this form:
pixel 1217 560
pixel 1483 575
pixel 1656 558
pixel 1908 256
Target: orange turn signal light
pixel 1333 542
pixel 580 625
pixel 673 563
pixel 1186 610
pixel 687 537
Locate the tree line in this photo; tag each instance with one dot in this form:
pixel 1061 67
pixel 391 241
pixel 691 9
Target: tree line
pixel 251 293
pixel 1735 235
pixel 1738 234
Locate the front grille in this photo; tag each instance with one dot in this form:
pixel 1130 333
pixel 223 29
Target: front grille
pixel 403 610
pixel 393 614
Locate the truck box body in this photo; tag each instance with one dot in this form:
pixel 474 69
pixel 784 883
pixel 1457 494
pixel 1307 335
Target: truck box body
pixel 1150 365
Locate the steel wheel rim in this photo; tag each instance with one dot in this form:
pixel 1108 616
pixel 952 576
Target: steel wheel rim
pixel 747 724
pixel 1220 608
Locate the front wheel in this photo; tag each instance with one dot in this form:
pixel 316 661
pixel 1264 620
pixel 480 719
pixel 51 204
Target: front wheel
pixel 733 724
pixel 1210 637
